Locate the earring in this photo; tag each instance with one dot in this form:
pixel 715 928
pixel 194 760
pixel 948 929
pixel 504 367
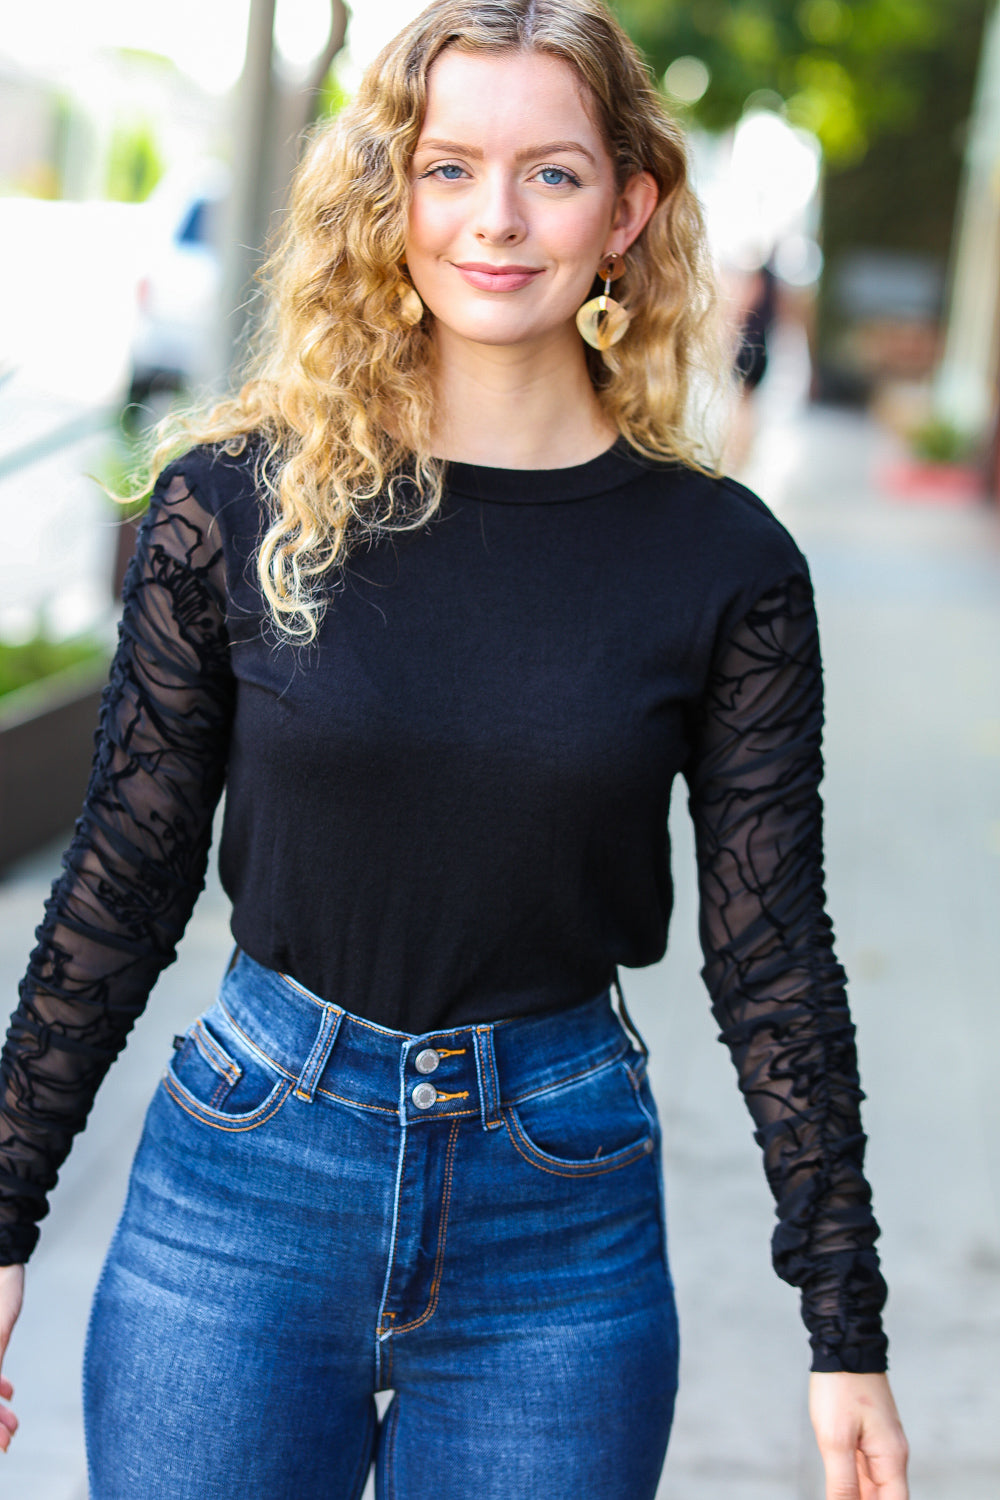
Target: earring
pixel 602 321
pixel 411 309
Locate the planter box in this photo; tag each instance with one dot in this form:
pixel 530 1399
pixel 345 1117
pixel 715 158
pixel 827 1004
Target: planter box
pixel 46 747
pixel 948 484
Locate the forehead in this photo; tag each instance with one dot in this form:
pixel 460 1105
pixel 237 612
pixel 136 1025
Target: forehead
pixel 488 97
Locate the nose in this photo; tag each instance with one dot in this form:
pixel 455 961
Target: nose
pixel 499 219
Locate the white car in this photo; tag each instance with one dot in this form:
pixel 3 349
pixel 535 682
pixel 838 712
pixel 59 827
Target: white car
pixel 178 289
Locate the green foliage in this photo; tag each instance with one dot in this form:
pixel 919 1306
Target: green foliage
pixel 134 163
pixel 332 96
pixel 41 657
pixel 939 441
pixel 850 70
pixel 123 474
pixel 902 195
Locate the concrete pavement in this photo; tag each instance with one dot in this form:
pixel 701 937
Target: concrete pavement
pixel 909 599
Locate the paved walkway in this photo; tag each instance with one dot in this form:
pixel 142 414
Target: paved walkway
pixel 910 608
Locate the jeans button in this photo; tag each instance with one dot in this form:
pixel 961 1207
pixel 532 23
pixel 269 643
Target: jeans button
pixel 424 1095
pixel 426 1061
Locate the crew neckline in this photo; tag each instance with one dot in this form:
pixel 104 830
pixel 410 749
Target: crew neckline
pixel 614 467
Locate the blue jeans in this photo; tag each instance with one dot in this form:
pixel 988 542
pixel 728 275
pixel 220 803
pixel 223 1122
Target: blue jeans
pixel 320 1209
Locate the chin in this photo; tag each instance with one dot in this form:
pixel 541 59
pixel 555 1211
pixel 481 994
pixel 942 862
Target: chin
pixel 502 332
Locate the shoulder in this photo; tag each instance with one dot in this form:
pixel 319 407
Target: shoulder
pixel 725 532
pixel 216 476
pixel 743 523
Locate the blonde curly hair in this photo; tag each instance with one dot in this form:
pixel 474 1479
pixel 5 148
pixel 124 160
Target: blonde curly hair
pixel 338 388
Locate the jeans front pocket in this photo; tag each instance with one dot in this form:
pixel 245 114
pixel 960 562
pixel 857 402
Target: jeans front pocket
pixel 220 1077
pixel 587 1126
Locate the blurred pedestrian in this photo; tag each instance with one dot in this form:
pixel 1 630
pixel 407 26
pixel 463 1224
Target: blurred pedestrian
pixel 446 596
pixel 752 308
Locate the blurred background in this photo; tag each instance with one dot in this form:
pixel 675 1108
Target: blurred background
pixel 847 153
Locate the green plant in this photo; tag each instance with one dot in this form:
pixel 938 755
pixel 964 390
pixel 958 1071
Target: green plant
pixel 938 441
pixel 121 472
pixel 135 165
pixel 40 657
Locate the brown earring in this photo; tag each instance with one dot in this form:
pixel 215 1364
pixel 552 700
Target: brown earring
pixel 602 321
pixel 411 309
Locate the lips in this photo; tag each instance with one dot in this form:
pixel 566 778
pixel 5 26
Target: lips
pixel 488 278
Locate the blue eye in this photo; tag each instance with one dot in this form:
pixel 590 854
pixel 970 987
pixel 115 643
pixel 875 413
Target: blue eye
pixel 558 177
pixel 451 171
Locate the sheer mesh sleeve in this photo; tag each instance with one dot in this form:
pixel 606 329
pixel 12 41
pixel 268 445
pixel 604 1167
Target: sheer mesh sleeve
pixel 777 990
pixel 137 860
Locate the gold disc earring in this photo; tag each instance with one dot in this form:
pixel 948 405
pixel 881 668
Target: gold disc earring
pixel 602 321
pixel 411 309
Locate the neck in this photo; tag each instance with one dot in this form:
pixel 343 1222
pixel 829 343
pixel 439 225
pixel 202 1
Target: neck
pixel 517 407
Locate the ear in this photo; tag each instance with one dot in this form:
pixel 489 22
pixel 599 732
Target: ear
pixel 633 211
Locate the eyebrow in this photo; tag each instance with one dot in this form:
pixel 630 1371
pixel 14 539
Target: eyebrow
pixel 549 148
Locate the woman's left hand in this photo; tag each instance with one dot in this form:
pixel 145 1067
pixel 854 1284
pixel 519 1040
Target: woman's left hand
pixel 860 1436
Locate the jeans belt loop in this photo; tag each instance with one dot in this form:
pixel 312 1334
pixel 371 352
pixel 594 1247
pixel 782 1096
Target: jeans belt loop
pixel 305 1086
pixel 489 1082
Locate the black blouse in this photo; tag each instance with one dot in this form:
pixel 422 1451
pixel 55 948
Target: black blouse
pixel 452 806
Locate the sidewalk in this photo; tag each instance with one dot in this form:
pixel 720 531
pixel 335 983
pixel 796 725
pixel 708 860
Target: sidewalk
pixel 909 599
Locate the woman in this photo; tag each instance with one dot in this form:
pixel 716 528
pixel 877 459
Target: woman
pixel 448 597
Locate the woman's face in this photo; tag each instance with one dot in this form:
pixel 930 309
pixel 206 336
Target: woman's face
pixel 514 198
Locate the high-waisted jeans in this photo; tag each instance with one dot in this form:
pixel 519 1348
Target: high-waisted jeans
pixel 321 1208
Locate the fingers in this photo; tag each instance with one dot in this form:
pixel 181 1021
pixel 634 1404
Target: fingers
pixel 886 1470
pixel 8 1423
pixel 841 1467
pixel 860 1437
pixel 854 1475
pixel 11 1290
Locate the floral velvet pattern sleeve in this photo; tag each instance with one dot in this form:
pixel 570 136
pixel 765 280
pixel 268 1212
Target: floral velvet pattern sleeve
pixel 777 990
pixel 138 857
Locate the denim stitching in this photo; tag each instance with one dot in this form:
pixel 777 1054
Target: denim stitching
pixel 390 1355
pixel 570 1078
pixel 477 1053
pixel 386 1109
pixel 215 1054
pixel 485 1054
pixel 301 988
pixel 215 1057
pixel 316 1061
pixel 432 1302
pixel 381 1332
pixel 317 1000
pixel 254 1046
pixel 222 1090
pixel 321 1053
pixel 444 1114
pixel 584 1169
pixel 636 1072
pixel 248 1122
pixel 382 1109
pixel 491 1058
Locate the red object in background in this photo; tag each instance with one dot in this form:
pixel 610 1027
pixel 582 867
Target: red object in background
pixel 944 484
